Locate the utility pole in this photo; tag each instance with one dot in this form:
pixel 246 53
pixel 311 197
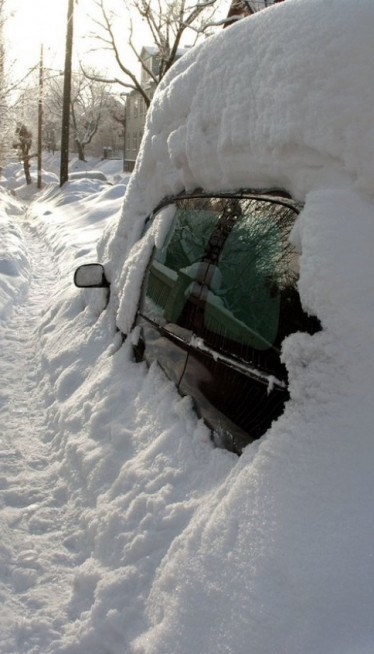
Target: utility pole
pixel 64 168
pixel 40 119
pixel 124 96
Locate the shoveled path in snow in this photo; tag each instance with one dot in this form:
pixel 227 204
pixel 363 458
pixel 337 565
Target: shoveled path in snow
pixel 35 565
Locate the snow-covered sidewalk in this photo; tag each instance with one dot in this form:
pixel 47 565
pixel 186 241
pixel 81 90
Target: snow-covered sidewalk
pixel 41 500
pixel 100 472
pixel 33 513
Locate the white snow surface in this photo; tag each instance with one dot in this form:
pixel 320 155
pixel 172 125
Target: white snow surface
pixel 123 530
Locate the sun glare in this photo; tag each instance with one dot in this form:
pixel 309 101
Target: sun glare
pixel 37 22
pixel 33 24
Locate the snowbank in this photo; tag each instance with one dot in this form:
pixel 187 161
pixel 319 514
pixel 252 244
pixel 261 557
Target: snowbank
pixel 14 268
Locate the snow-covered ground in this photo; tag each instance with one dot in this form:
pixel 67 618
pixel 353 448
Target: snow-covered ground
pixel 102 463
pixel 41 506
pixel 123 530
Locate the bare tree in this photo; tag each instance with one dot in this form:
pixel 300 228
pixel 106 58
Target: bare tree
pixel 12 104
pixel 88 101
pixel 2 47
pixel 23 146
pixel 6 88
pixel 2 84
pixel 26 109
pixel 167 23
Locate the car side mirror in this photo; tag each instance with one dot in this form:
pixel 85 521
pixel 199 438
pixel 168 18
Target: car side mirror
pixel 90 275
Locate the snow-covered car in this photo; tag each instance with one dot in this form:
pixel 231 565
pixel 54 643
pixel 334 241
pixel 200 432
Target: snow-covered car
pixel 218 297
pixel 219 293
pixel 277 557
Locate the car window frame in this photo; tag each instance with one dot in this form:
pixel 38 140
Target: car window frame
pixel 272 195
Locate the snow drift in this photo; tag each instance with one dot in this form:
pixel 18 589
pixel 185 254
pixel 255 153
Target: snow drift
pixel 14 272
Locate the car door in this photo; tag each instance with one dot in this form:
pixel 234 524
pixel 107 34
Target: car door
pixel 233 369
pixel 218 298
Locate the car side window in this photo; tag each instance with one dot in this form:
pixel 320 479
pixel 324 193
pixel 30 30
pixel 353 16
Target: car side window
pixel 222 270
pixel 173 266
pixel 252 268
pixel 219 296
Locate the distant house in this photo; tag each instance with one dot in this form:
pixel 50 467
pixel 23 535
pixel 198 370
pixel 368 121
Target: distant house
pixel 238 9
pixel 242 8
pixel 136 108
pixel 136 111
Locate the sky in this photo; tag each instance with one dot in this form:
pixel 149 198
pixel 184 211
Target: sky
pixel 31 24
pixel 48 21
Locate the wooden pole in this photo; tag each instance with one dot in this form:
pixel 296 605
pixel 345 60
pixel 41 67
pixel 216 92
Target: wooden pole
pixel 40 119
pixel 64 168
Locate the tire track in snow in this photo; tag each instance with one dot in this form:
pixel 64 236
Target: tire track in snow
pixel 35 567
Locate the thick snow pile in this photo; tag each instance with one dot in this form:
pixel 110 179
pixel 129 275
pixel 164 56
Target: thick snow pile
pixel 14 270
pixel 150 540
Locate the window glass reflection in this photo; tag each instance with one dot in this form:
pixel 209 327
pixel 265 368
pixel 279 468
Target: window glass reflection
pixel 222 272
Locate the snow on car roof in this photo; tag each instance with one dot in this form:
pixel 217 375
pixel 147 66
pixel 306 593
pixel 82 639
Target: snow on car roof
pixel 283 98
pixel 274 99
